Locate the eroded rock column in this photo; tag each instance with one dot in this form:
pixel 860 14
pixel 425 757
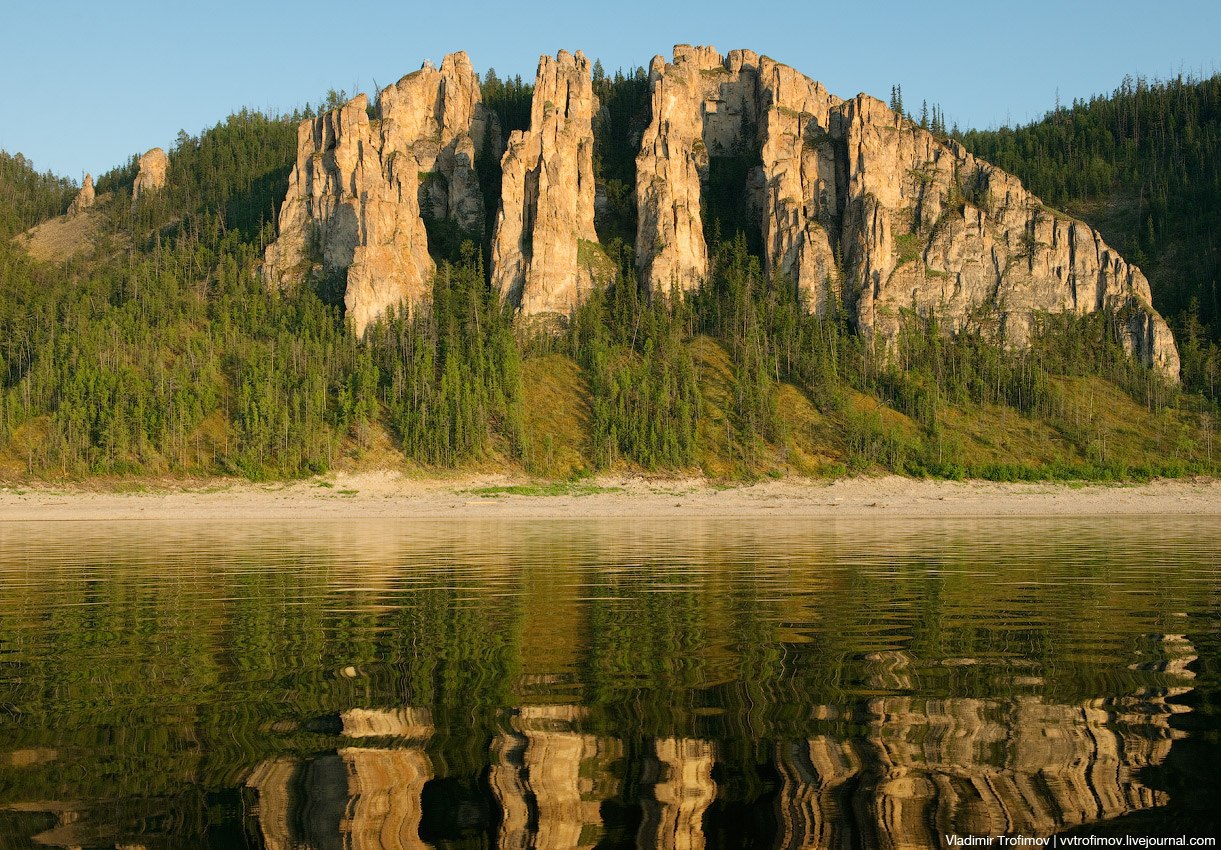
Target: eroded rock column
pixel 703 106
pixel 362 187
pixel 543 248
pixel 153 173
pixel 84 199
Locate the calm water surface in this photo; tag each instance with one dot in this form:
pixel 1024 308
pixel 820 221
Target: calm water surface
pixel 606 684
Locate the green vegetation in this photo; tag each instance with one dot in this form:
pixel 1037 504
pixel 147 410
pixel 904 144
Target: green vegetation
pixel 509 99
pixel 625 114
pixel 449 377
pixel 162 352
pixel 907 248
pixel 554 488
pixel 29 197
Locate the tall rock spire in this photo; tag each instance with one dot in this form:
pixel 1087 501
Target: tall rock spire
pixel 84 198
pixel 855 204
pixel 547 194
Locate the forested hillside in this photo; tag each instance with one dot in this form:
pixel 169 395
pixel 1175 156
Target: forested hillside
pixel 27 197
pixel 1143 165
pixel 162 352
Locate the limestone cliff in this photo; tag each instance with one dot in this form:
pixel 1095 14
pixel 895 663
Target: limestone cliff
pixel 852 204
pixel 702 107
pixel 917 221
pixel 153 173
pixel 800 208
pixel 84 198
pixel 541 252
pixel 929 227
pixel 362 188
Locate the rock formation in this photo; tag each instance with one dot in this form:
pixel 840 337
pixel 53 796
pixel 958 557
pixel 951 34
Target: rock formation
pixel 800 206
pixel 84 198
pixel 919 223
pixel 363 188
pixel 703 106
pixel 928 227
pixel 154 171
pixel 852 204
pixel 545 248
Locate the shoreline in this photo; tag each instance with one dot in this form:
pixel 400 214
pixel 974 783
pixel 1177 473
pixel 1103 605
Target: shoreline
pixel 390 495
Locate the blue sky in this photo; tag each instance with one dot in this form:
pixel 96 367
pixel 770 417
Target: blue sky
pixel 86 84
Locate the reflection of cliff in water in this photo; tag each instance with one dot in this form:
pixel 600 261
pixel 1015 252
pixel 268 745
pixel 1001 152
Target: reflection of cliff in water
pixel 927 767
pixel 891 772
pixel 359 797
pixel 549 780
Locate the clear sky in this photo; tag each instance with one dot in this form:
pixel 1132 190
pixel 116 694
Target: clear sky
pixel 87 84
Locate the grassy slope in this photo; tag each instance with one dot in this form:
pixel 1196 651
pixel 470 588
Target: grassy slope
pixel 1097 426
pixel 556 411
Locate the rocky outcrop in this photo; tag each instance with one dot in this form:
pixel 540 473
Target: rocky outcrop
pixel 703 107
pixel 859 206
pixel 853 205
pixel 799 211
pixel 153 173
pixel 545 251
pixel 363 188
pixel 438 118
pixel 84 198
pixel 930 228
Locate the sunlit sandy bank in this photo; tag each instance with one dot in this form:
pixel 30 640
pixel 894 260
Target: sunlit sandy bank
pixel 390 495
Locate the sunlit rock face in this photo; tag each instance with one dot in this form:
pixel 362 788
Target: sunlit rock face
pixel 84 199
pixel 703 106
pixel 547 194
pixel 929 227
pixel 362 187
pixel 153 173
pixel 857 205
pixel 854 204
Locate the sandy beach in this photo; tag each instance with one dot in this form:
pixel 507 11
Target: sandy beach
pixel 391 495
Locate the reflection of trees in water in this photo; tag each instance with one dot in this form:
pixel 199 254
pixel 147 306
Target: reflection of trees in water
pixel 730 646
pixel 913 770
